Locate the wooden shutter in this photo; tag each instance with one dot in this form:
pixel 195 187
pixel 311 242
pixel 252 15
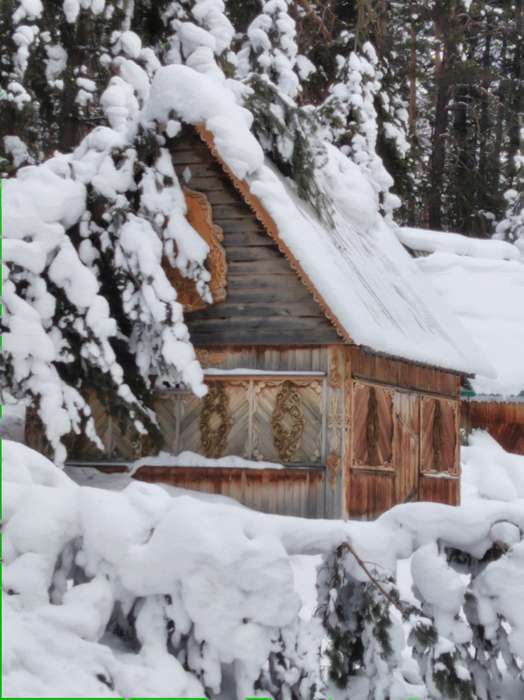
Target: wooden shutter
pixel 406 443
pixel 372 425
pixel 439 435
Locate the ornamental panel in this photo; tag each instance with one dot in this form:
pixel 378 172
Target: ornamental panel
pixel 372 425
pixel 439 435
pixel 218 424
pixel 287 421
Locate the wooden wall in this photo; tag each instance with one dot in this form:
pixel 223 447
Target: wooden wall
pixel 503 420
pixel 293 491
pixel 404 443
pixel 287 406
pixel 266 303
pixel 354 442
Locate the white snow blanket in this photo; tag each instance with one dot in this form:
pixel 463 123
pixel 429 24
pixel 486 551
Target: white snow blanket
pixel 482 281
pixel 79 562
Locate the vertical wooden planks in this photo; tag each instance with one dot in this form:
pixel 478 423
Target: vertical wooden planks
pixel 424 437
pixel 406 445
pixel 442 489
pixel 336 420
pixel 292 491
pixel 439 435
pixel 373 425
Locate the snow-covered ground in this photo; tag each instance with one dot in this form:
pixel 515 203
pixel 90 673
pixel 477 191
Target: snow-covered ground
pixel 102 581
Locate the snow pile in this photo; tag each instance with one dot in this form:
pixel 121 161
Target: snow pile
pixel 483 283
pixel 193 459
pixel 137 592
pixel 84 564
pixel 489 472
pixel 428 241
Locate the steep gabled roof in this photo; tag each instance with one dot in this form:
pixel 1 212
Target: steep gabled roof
pixel 482 282
pixel 366 282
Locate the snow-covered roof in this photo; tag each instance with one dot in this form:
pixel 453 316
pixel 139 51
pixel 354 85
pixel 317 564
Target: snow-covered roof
pixel 428 241
pixel 482 281
pixel 367 283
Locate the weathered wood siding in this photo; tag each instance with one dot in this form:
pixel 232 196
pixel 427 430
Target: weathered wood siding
pixel 404 434
pixel 407 375
pixel 290 491
pixel 369 444
pixel 439 440
pixel 503 420
pixel 266 303
pixel 275 419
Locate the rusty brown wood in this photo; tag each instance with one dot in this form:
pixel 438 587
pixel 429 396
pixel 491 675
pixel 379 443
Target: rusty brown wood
pixel 290 491
pixel 371 492
pixel 372 425
pixel 401 373
pixel 406 445
pixel 439 489
pixel 503 420
pixel 439 440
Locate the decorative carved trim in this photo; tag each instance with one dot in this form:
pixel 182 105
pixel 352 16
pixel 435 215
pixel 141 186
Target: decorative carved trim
pixel 332 464
pixel 334 374
pixel 288 405
pixel 210 358
pixel 373 423
pixel 271 228
pixel 335 422
pixel 436 436
pixel 200 216
pixel 215 421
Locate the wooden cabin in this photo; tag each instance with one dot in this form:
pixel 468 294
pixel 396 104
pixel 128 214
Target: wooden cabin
pixel 482 281
pixel 362 414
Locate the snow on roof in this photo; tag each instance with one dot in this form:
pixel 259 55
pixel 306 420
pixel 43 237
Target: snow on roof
pixel 434 242
pixel 365 280
pixel 484 286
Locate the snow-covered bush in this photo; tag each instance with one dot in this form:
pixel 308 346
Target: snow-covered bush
pixel 87 231
pixel 146 592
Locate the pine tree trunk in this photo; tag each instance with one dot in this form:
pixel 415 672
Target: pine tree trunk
pixel 517 93
pixel 440 127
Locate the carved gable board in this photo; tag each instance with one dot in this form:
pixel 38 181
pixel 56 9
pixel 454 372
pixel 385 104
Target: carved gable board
pixel 200 216
pixel 266 302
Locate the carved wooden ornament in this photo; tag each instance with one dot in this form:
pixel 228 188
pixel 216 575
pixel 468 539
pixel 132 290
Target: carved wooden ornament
pixel 288 411
pixel 215 421
pixel 200 216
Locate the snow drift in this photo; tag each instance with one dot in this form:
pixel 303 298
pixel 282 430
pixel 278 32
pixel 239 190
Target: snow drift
pixel 142 592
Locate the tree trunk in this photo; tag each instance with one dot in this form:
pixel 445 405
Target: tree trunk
pixel 440 126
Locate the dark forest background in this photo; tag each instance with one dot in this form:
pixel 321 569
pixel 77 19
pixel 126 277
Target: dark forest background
pixel 451 74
